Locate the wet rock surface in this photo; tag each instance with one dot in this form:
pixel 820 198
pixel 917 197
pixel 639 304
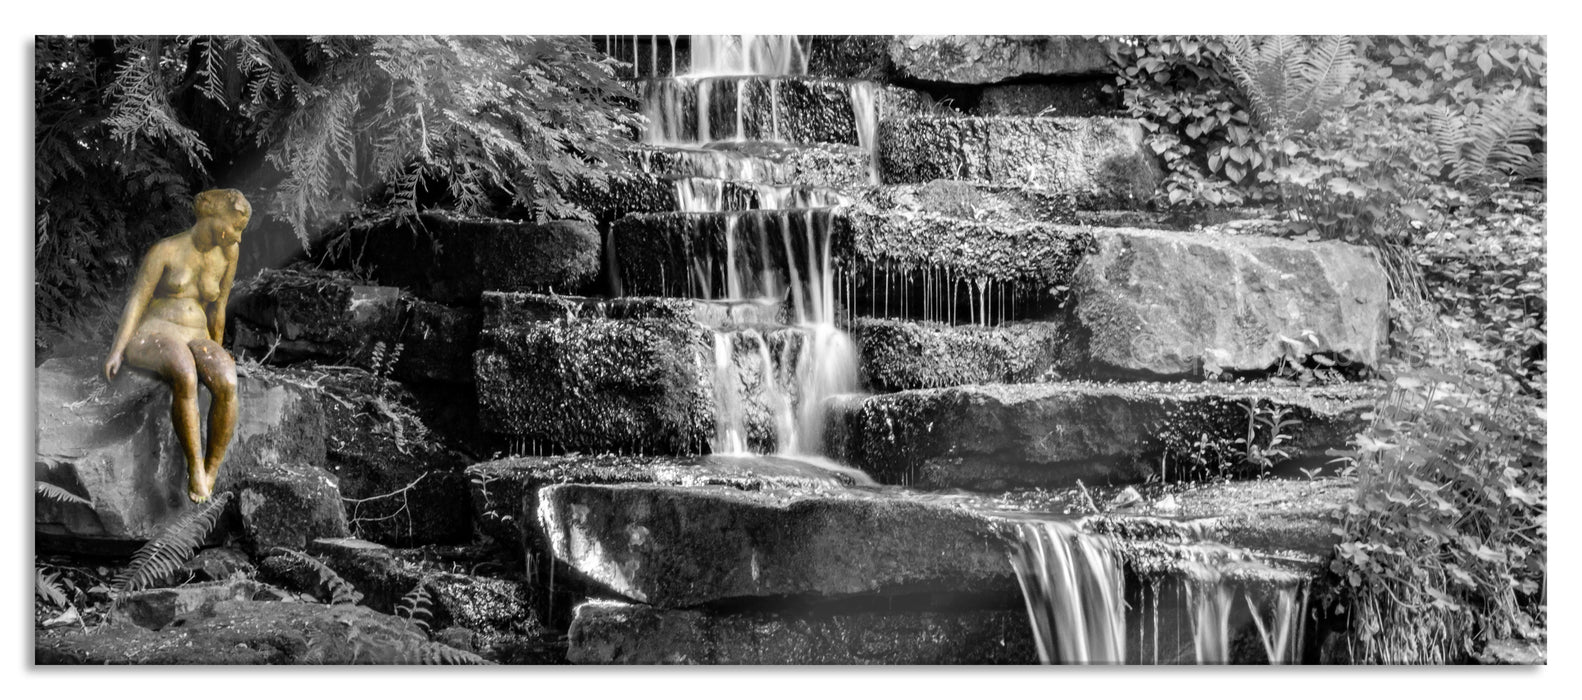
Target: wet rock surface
pixel 956 58
pixel 991 437
pixel 823 165
pixel 1099 156
pixel 787 109
pixel 114 445
pixel 607 632
pixel 678 546
pixel 1074 98
pixel 1164 304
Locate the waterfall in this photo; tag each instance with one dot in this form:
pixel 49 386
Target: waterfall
pixel 1073 588
pixel 1073 584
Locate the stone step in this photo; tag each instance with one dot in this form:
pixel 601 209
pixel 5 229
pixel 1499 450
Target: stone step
pixel 292 315
pixel 790 109
pixel 897 355
pixel 998 436
pixel 505 491
pixel 672 546
pixel 829 166
pixel 681 546
pixel 453 259
pixel 611 632
pixel 1101 157
pixel 884 262
pixel 514 308
pixel 642 193
pixel 980 60
pixel 831 56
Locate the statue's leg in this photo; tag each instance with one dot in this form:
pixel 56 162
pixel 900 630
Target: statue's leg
pixel 217 371
pixel 168 355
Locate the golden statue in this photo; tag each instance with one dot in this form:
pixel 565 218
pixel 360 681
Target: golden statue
pixel 174 322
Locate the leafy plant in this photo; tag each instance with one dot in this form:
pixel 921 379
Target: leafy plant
pixel 47 588
pixel 1491 145
pixel 1291 81
pixel 417 605
pixel 156 561
pixel 58 494
pixel 330 584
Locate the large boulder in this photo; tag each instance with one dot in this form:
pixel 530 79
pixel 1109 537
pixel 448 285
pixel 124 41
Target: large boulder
pixel 452 259
pixel 675 546
pixel 981 59
pixel 114 445
pixel 997 436
pixel 287 505
pixel 1102 157
pixel 1168 304
pixel 608 632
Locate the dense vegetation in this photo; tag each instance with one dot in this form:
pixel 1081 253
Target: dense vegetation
pixel 310 128
pixel 1431 149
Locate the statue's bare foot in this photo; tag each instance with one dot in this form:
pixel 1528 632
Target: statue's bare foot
pixel 198 491
pixel 210 478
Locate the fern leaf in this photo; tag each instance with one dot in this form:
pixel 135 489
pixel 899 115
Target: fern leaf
pixel 341 591
pixel 417 606
pixel 46 587
pixel 173 547
pixel 436 654
pixel 58 494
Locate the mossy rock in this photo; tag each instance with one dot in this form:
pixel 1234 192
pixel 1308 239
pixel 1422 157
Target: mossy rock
pixel 1102 157
pixel 597 384
pixel 898 355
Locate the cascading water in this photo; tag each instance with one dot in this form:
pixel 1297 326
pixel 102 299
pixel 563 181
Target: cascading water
pixel 768 383
pixel 1074 590
pixel 1073 584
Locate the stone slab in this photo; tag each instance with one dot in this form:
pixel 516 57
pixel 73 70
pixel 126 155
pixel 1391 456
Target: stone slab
pixel 998 436
pixel 673 547
pixel 987 59
pixel 608 632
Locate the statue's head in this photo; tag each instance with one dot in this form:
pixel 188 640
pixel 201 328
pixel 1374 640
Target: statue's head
pixel 227 210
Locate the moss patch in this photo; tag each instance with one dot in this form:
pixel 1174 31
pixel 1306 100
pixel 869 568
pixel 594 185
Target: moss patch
pixel 898 355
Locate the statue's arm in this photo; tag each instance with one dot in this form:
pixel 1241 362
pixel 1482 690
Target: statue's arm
pixel 136 303
pixel 217 309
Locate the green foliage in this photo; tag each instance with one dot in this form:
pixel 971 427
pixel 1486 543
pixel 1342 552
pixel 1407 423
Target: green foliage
pixel 157 560
pixel 1217 439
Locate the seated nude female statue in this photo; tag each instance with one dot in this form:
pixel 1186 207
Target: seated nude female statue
pixel 173 324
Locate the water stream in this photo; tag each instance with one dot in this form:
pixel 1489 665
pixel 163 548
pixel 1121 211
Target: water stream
pixel 772 381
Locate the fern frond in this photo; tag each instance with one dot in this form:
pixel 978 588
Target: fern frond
pixel 418 606
pixel 58 494
pixel 172 547
pixel 47 588
pixel 436 654
pixel 341 591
